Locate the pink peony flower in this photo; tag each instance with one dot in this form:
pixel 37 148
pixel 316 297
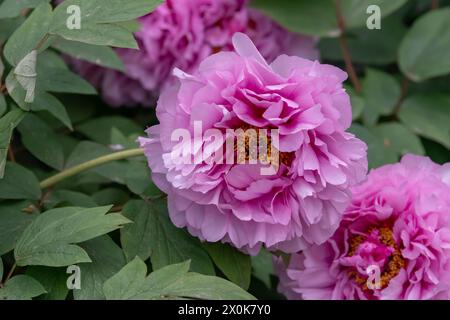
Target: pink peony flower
pixel 182 33
pixel 398 223
pixel 302 202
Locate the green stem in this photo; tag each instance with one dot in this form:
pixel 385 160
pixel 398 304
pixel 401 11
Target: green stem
pixel 89 165
pixel 11 272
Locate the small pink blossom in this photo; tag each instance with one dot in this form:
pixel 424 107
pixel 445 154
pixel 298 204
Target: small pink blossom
pixel 399 222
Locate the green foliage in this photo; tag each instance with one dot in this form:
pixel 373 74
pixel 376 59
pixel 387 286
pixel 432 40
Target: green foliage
pixel 173 281
pixel 49 240
pixel 110 219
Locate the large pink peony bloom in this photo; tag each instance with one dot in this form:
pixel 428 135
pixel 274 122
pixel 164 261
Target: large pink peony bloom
pixel 182 33
pixel 303 201
pixel 399 222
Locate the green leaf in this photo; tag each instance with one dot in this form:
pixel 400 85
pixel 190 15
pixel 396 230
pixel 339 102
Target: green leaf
pixel 47 102
pixel 100 55
pixel 34 132
pixel 136 238
pixel 376 150
pixel 107 260
pixel 19 183
pixel 319 17
pixel 355 11
pixel 107 196
pixel 21 287
pixel 71 198
pixel 54 281
pixel 13 221
pixel 49 240
pixel 13 8
pixel 398 139
pixel 138 180
pixel 100 34
pixel 304 16
pixel 63 80
pixel 98 20
pixel 233 263
pixel 167 244
pixel 263 266
pixel 3 105
pixel 428 116
pixel 29 34
pixel 170 282
pixel 387 142
pixel 87 150
pixel 381 93
pixel 424 48
pixel 104 11
pixel 100 129
pixel 374 47
pixel 7 124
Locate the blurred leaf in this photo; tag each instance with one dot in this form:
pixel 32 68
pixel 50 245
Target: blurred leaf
pixel 374 47
pixel 49 239
pixel 399 139
pixel 381 93
pixel 138 180
pixel 8 26
pixel 173 281
pixel 387 142
pixel 13 8
pixel 424 48
pixel 107 260
pixel 167 243
pixel 19 183
pixel 428 116
pixel 357 102
pixel 99 129
pixel 437 152
pixel 262 265
pixel 377 155
pixel 233 263
pixel 13 221
pixel 54 281
pixel 7 124
pixel 1 268
pixel 40 140
pixel 69 198
pixel 21 287
pixel 100 55
pixel 108 196
pixel 319 17
pixel 29 34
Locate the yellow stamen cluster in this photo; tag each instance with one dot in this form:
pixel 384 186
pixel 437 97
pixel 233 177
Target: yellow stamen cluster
pixel 396 261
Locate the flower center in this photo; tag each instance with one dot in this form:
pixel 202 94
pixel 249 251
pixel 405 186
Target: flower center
pixel 248 142
pixel 377 248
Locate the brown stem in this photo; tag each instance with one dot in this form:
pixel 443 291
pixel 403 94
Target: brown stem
pixel 434 4
pixel 42 42
pixel 344 48
pixel 11 155
pixel 11 272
